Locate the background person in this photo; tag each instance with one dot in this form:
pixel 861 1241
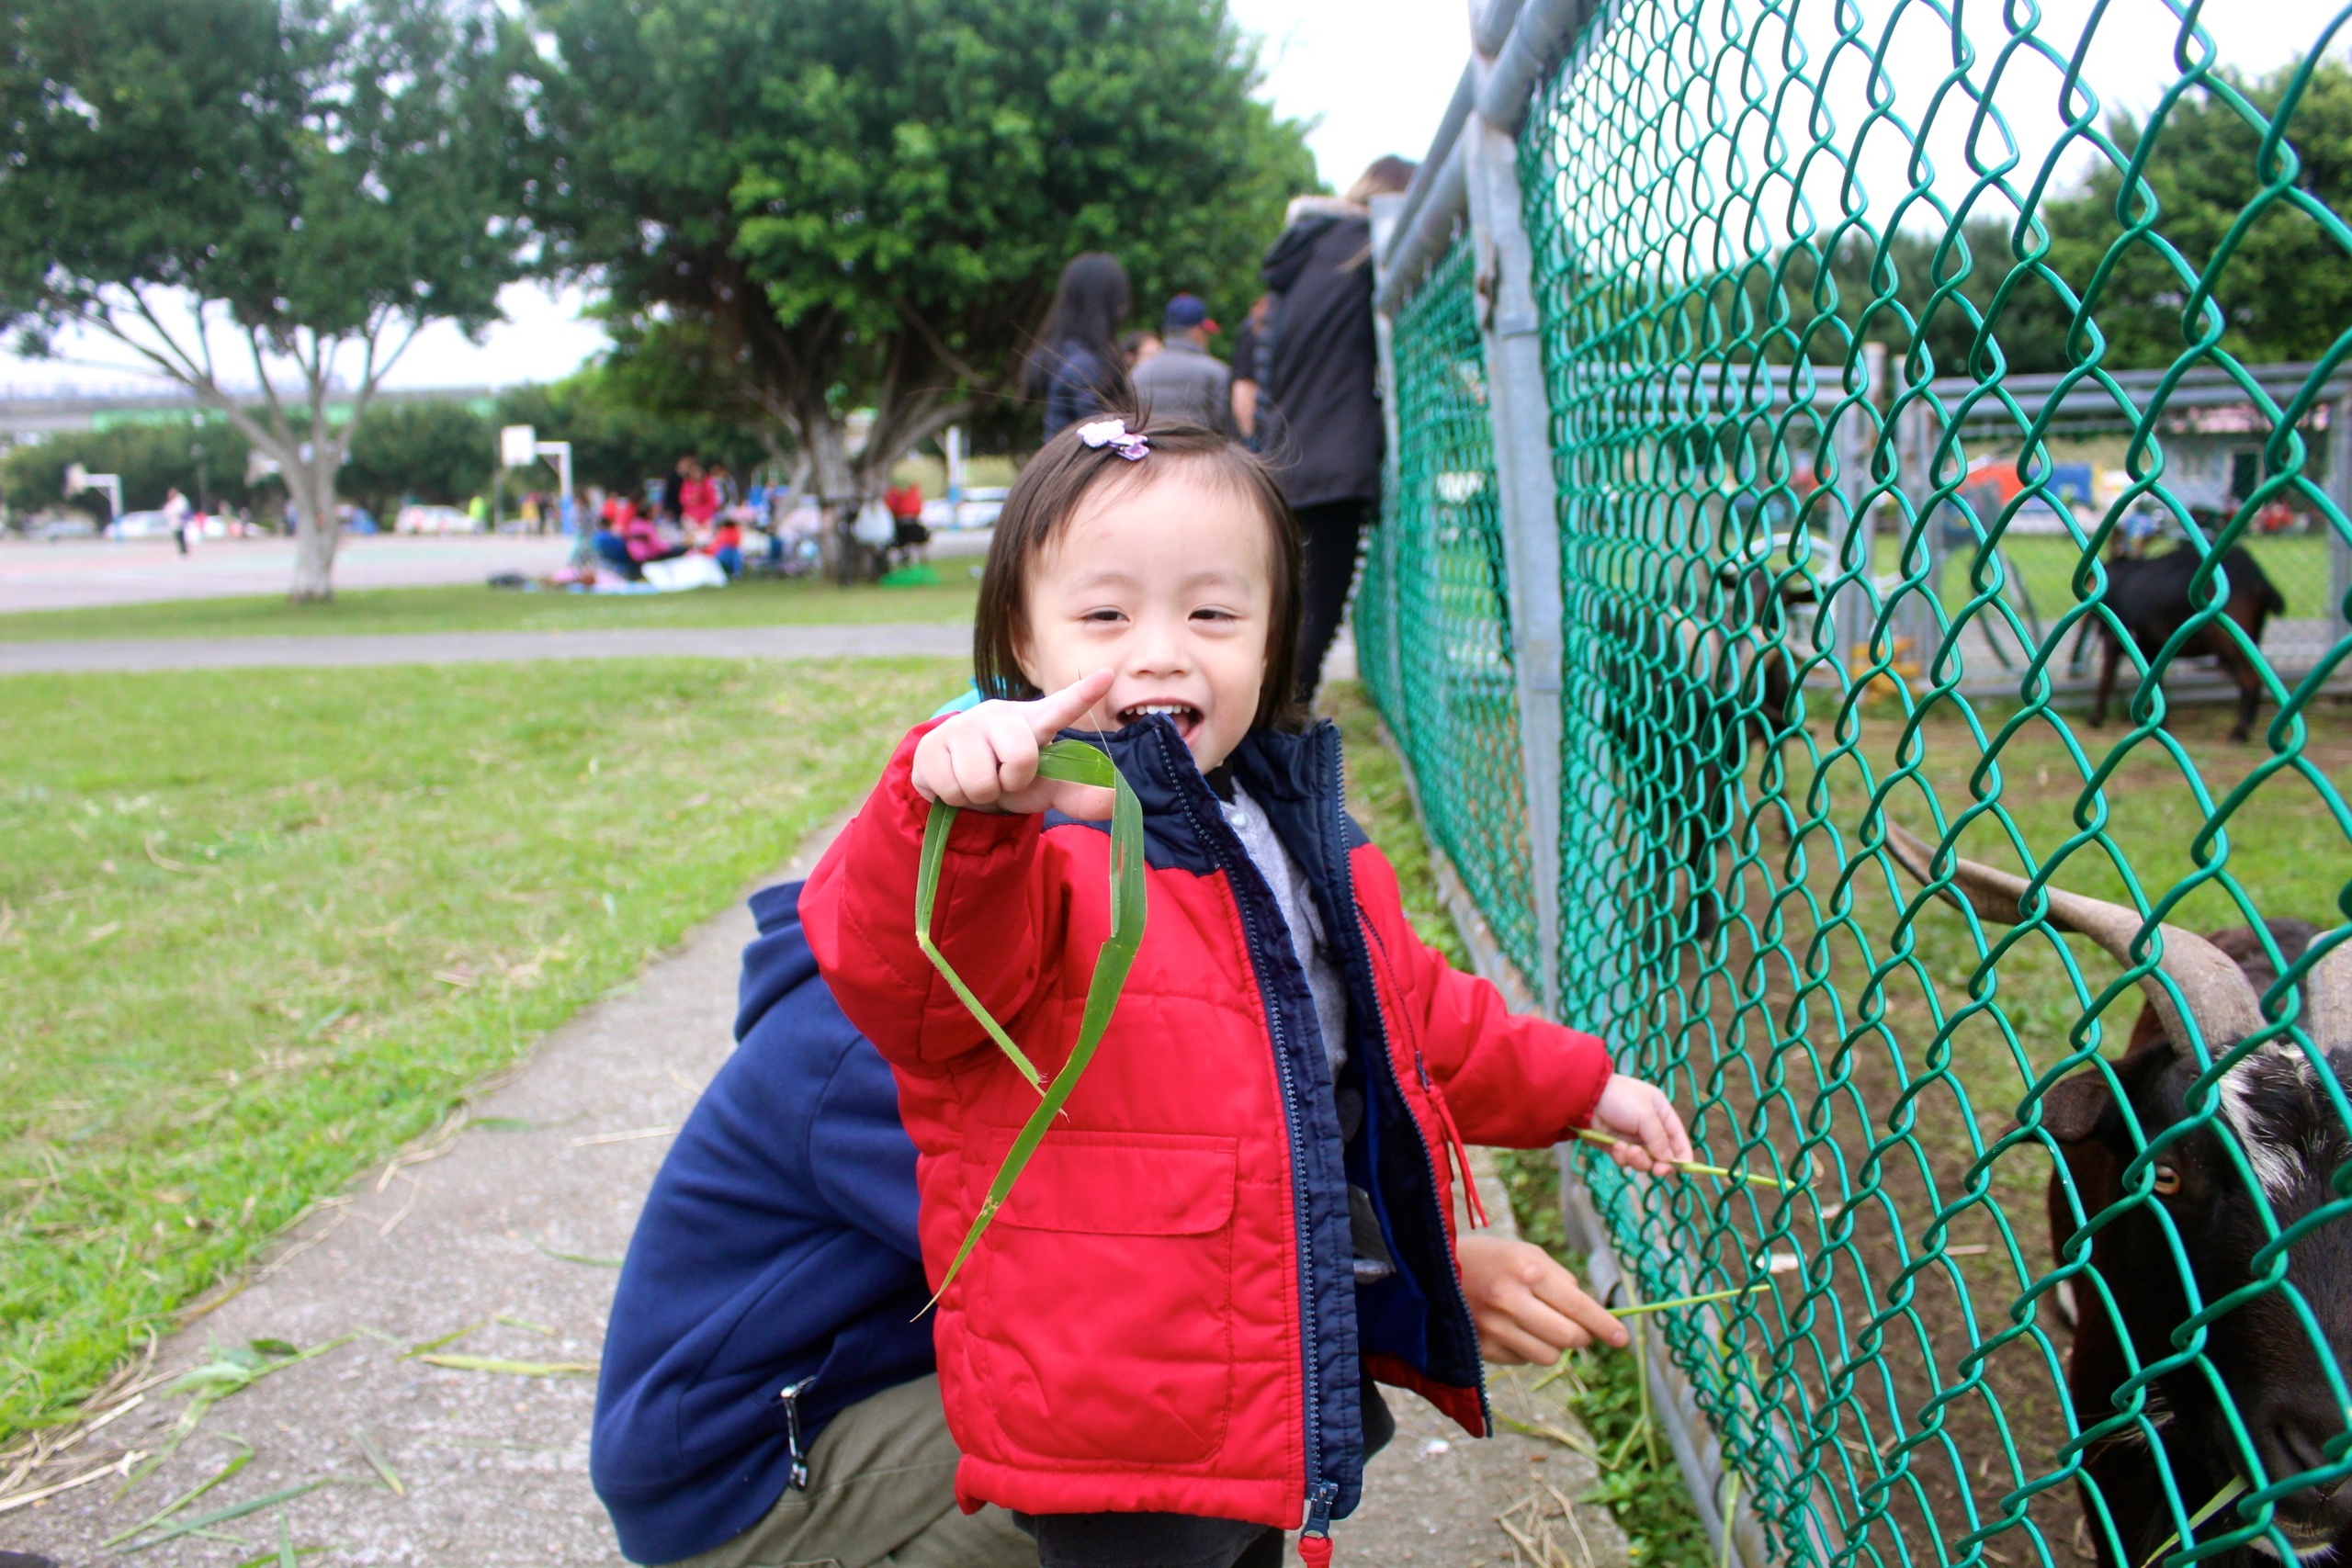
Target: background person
pixel 1318 406
pixel 1184 382
pixel 1138 346
pixel 1077 366
pixel 177 512
pixel 1248 342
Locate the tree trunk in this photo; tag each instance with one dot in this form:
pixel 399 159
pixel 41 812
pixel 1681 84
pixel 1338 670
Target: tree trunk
pixel 311 485
pixel 839 495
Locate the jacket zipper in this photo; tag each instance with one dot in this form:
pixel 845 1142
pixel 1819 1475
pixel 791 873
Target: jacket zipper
pixel 789 1397
pixel 1335 850
pixel 1321 1495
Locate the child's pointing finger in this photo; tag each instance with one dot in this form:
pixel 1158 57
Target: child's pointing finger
pixel 1055 711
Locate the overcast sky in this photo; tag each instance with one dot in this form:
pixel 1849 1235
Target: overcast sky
pixel 1372 76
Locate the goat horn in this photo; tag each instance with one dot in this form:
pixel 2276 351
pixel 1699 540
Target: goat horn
pixel 2215 988
pixel 2327 1000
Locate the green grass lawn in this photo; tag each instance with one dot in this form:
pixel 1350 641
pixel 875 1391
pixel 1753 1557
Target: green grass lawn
pixel 2297 566
pixel 257 931
pixel 470 607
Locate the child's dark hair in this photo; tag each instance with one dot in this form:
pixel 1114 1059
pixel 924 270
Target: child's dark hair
pixel 1047 496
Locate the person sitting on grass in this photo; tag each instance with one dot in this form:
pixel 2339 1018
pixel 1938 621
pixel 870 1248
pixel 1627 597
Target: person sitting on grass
pixel 1164 1354
pixel 725 547
pixel 768 1392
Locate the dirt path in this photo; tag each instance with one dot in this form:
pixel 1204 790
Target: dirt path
pixel 506 1231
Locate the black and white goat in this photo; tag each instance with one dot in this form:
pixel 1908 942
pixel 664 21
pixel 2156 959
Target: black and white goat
pixel 2261 1357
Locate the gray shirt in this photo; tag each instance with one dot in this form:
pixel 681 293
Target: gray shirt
pixel 1185 381
pixel 1307 938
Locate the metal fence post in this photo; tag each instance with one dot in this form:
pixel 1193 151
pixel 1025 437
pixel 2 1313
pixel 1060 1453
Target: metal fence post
pixel 1852 438
pixel 1520 416
pixel 2339 489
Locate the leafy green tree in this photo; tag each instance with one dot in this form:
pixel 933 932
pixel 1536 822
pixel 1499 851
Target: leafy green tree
pixel 427 451
pixel 617 440
pixel 864 204
pixel 311 181
pixel 2283 292
pixel 206 460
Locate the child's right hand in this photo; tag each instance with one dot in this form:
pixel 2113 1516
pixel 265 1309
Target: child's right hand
pixel 1650 1136
pixel 985 758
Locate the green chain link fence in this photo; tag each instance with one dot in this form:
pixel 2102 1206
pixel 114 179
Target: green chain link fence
pixel 1856 398
pixel 1431 616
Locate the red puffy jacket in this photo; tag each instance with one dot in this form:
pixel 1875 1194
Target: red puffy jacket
pixel 1164 1316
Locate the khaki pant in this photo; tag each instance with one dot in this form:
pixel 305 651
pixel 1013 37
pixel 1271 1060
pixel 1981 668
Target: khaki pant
pixel 881 1494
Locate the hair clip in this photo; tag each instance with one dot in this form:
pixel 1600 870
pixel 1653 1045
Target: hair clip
pixel 1112 433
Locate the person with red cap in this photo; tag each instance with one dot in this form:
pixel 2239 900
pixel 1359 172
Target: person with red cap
pixel 1184 380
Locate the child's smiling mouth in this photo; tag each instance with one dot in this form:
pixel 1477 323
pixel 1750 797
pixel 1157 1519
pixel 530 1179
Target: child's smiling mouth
pixel 1186 718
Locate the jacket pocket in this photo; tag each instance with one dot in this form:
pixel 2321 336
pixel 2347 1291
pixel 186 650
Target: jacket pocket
pixel 1101 1330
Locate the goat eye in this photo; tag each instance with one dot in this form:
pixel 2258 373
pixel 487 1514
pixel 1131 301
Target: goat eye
pixel 2167 1181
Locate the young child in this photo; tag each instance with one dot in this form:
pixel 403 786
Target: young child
pixel 1162 1352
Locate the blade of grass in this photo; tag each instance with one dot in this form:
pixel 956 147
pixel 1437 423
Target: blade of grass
pixel 271 1558
pixel 1071 762
pixel 233 1511
pixel 518 1369
pixel 449 1338
pixel 1695 1168
pixel 1559 1435
pixel 2221 1498
pixel 1637 1309
pixel 286 1557
pixel 935 829
pixel 376 1460
pixel 513 1322
pixel 235 1464
pixel 578 1258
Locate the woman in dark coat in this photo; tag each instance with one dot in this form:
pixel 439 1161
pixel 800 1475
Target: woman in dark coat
pixel 1077 366
pixel 1318 409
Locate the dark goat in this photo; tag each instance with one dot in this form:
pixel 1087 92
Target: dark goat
pixel 2150 598
pixel 2277 1111
pixel 1751 710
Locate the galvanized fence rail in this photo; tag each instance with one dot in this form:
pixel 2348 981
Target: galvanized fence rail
pixel 1723 548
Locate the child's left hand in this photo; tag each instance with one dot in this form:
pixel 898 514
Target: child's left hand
pixel 1650 1136
pixel 1529 1310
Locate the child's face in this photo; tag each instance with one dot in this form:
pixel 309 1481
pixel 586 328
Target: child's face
pixel 1171 584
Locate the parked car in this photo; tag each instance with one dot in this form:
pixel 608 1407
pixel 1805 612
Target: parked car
pixel 142 525
pixel 434 520
pixel 66 527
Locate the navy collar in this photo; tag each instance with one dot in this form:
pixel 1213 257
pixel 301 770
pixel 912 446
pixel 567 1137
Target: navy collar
pixel 1281 772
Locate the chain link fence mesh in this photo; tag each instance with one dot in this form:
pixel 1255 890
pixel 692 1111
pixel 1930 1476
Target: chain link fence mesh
pixel 1900 386
pixel 1432 625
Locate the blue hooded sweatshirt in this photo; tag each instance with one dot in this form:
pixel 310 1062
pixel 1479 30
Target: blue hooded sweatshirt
pixel 776 1252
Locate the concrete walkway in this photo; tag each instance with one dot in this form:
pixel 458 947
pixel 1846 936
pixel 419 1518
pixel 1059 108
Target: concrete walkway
pixel 888 639
pixel 498 1239
pixel 39 575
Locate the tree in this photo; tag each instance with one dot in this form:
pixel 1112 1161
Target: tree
pixel 863 205
pixel 618 441
pixel 316 179
pixel 2285 290
pixel 204 458
pixel 440 452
